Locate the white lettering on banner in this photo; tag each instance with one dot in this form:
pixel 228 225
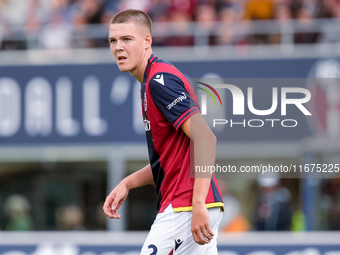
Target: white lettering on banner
pixel 298 102
pixel 251 123
pixel 255 120
pixel 204 104
pixel 65 124
pixel 290 120
pixel 38 107
pixel 262 112
pixel 52 249
pixel 120 90
pixel 14 253
pixel 177 100
pixel 261 252
pixel 238 100
pixel 215 111
pixel 10 113
pixel 93 124
pixel 243 123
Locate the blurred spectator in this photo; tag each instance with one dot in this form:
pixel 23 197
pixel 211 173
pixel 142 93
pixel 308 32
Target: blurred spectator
pixel 70 218
pixel 180 26
pixel 259 9
pixel 331 33
pixel 159 15
pixel 13 14
pixel 313 7
pixel 272 208
pixel 17 208
pixel 188 6
pixel 232 220
pixel 135 4
pixel 57 32
pixel 306 13
pixel 332 190
pixel 59 24
pixel 226 29
pixel 205 17
pixel 88 12
pixel 33 20
pixel 109 10
pixel 159 9
pixel 236 6
pixel 283 15
pixel 328 8
pixel 298 221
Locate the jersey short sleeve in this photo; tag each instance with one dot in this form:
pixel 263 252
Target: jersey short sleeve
pixel 172 98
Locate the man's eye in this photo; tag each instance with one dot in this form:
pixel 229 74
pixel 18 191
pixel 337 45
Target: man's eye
pixel 127 39
pixel 112 41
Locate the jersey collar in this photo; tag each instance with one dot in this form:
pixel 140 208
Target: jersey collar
pixel 151 60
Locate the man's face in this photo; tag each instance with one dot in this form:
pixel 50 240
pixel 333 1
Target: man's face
pixel 127 45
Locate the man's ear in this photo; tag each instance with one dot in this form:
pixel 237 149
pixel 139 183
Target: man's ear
pixel 148 41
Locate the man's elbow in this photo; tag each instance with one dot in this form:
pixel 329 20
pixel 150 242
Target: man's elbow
pixel 213 139
pixel 210 139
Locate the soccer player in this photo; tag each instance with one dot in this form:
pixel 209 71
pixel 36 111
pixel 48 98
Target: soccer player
pixel 189 209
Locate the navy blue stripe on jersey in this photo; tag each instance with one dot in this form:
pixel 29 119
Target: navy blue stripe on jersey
pixel 184 116
pixel 157 170
pixel 217 196
pixel 153 58
pixel 170 95
pixel 158 177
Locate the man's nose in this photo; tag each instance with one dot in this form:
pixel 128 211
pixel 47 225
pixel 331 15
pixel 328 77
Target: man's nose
pixel 119 45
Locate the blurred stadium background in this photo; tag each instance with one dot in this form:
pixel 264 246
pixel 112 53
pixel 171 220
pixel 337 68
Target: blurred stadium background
pixel 71 127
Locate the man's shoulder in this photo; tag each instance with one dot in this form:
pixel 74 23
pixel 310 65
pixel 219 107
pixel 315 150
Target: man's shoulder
pixel 161 66
pixel 165 79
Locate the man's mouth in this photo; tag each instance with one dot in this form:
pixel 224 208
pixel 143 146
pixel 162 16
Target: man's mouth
pixel 121 59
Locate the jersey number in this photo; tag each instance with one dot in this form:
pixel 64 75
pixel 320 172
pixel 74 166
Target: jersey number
pixel 154 248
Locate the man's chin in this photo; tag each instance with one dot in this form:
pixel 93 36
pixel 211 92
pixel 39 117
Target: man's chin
pixel 123 69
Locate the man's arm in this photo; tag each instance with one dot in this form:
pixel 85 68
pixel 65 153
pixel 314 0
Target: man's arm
pixel 118 195
pixel 204 154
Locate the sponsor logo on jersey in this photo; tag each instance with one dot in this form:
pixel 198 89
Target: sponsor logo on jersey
pixel 159 78
pixel 182 97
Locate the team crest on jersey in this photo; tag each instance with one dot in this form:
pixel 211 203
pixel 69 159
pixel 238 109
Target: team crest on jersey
pixel 145 102
pixel 147 125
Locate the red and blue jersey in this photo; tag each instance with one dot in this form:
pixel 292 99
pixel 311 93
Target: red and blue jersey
pixel 168 100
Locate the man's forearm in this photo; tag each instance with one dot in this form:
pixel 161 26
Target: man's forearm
pixel 139 178
pixel 204 142
pixel 204 155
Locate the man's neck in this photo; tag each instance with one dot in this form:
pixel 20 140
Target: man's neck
pixel 139 75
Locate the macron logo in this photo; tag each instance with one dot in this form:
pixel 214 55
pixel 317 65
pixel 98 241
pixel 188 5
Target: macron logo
pixel 159 78
pixel 178 243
